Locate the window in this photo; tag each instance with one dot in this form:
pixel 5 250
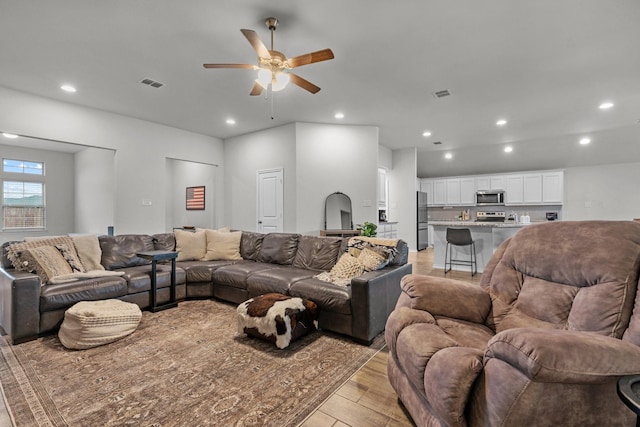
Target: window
pixel 22 201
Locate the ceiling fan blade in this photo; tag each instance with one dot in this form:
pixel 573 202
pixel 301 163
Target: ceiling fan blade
pixel 244 66
pixel 304 84
pixel 257 44
pixel 310 58
pixel 256 89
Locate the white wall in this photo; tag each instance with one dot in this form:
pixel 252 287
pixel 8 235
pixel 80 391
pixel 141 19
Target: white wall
pixel 94 175
pixel 332 158
pixel 602 192
pixel 180 175
pixel 141 149
pixel 59 190
pixel 402 194
pixel 317 159
pixel 245 155
pixel 385 157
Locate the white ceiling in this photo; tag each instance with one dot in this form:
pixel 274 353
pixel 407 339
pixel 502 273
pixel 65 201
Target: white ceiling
pixel 543 65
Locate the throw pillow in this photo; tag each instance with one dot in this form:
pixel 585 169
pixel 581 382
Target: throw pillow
pixel 223 245
pixel 347 267
pixel 190 246
pixel 89 251
pixel 69 254
pixel 15 250
pixel 372 260
pixel 46 262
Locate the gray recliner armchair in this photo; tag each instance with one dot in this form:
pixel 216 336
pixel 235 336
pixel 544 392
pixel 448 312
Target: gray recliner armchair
pixel 542 341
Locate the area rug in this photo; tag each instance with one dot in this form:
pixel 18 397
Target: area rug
pixel 183 366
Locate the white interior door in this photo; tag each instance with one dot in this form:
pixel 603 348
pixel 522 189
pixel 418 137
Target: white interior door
pixel 270 190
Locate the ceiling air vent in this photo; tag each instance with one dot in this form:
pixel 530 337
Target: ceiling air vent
pixel 151 83
pixel 442 93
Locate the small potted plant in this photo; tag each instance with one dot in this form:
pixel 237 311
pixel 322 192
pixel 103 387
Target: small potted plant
pixel 369 229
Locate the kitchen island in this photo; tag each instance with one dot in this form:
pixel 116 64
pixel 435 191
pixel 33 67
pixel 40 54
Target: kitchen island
pixel 487 236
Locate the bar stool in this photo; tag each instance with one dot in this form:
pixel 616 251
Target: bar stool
pixel 460 237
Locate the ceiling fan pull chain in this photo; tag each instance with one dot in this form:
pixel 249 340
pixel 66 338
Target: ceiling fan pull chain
pixel 272 117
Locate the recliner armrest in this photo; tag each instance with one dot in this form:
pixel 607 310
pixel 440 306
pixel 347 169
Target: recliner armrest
pixel 447 297
pixel 551 355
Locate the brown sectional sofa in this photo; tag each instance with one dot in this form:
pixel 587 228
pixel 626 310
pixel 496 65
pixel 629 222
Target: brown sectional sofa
pixel 274 262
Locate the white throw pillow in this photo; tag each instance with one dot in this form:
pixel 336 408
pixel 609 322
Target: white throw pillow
pixel 223 245
pixel 190 246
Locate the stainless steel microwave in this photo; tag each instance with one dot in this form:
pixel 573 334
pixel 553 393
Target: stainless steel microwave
pixel 490 198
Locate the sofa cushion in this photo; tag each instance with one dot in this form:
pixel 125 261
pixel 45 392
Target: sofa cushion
pixel 201 271
pixel 279 248
pixel 275 280
pixel 164 241
pixel 61 296
pixel 328 296
pixel 191 245
pixel 317 253
pixel 222 245
pixel 139 277
pixel 120 251
pixel 235 275
pixel 251 245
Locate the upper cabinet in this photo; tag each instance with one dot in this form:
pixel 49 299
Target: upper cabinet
pixel 382 188
pixel 490 182
pixel 552 188
pixel 527 188
pixel 536 188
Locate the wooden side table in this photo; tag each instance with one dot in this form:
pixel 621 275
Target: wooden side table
pixel 154 257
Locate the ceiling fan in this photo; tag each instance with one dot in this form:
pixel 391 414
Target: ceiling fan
pixel 274 67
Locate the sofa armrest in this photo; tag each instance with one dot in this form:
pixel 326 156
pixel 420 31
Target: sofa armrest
pixel 560 356
pixel 446 297
pixel 373 298
pixel 19 305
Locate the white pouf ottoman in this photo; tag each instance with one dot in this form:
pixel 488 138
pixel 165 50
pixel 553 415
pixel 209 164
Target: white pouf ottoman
pixel 92 323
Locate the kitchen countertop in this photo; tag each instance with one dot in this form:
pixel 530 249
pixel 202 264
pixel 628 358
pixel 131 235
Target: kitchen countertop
pixel 488 224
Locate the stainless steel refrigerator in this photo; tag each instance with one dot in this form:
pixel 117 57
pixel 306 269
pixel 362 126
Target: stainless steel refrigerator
pixel 423 221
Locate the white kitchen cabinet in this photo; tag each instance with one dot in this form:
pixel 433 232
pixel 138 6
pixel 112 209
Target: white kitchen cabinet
pixel 382 188
pixel 387 230
pixel 426 186
pixel 514 192
pixel 490 182
pixel 532 188
pixel 453 192
pixel 468 191
pixel 439 192
pixel 553 188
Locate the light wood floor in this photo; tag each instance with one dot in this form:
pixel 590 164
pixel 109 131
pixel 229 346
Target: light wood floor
pixel 368 399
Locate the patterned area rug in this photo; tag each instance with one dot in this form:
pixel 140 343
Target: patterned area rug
pixel 184 366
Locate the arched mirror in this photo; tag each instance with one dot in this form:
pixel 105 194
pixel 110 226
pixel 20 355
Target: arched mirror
pixel 337 212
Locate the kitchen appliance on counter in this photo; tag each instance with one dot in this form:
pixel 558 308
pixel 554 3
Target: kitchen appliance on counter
pixel 382 215
pixel 490 198
pixel 423 221
pixel 495 216
pixel 551 216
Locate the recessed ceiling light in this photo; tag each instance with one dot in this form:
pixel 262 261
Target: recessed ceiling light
pixel 231 122
pixel 501 122
pixel 448 156
pixel 339 115
pixel 68 88
pixel 426 133
pixel 606 105
pixel 9 135
pixel 508 149
pixel 585 141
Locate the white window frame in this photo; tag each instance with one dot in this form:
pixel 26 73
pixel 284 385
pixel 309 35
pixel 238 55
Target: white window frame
pixel 26 176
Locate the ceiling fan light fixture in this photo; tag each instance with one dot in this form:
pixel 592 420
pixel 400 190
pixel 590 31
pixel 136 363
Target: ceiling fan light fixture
pixel 264 78
pixel 280 81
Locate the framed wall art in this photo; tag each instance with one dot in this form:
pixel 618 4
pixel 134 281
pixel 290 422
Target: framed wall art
pixel 195 198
